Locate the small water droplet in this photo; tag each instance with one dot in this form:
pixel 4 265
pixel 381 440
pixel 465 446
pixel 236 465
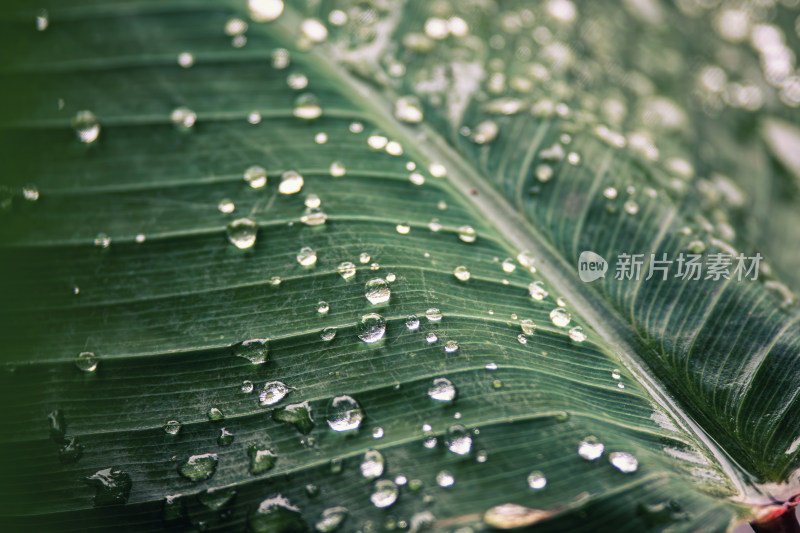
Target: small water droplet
pixel 216 498
pixel 314 216
pixel 408 109
pixel 377 433
pixel 522 339
pixel 102 240
pixel 306 256
pixel 384 494
pixel 461 273
pixel 172 427
pixel 433 314
pixel 254 350
pixel 536 480
pixel 183 118
pixel 631 207
pixel 364 258
pixel 543 173
pixel 215 414
pixel 42 20
pixel 297 414
pixel 372 464
pixel 377 291
pixel 254 117
pixel 199 467
pixel 458 440
pixel 442 390
pixel 331 519
pixel 328 334
pixel 276 514
pixel 412 322
pixel 537 290
pixel 485 132
pixel 225 437
pixel 247 386
pixel 451 346
pixel 467 234
pixel 323 308
pixel 87 128
pixel 185 59
pixel 30 192
pixel 403 228
pixel 265 10
pixel 371 328
pixel 344 414
pixel 291 182
pixel 590 448
pixel 262 459
pixel 242 233
pixel 226 206
pixel 527 326
pixel 431 337
pixel 445 479
pixel 273 392
pixel 86 361
pixel 255 176
pixel 337 169
pixel 508 265
pixel 610 193
pixel 111 486
pixel 573 158
pixel 306 106
pixel 314 30
pixel 577 334
pixel 346 269
pixel 560 317
pixel 624 462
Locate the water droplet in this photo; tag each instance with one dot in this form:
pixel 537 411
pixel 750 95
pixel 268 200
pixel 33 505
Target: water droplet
pixel 372 464
pixel 199 467
pixel 434 225
pixel 216 498
pixel 86 126
pixel 377 433
pixel 442 390
pixel 306 106
pixel 242 233
pixel 384 494
pixel 433 314
pixel 254 117
pixel 577 334
pixel 254 350
pixel 226 206
pixel 467 234
pixel 346 269
pixel 485 132
pixel 111 486
pixel 328 334
pixel 30 192
pixel 461 273
pixel 527 326
pixel 42 20
pixel 172 427
pixel 255 176
pixel 225 437
pixel 431 337
pixel 408 109
pixel 403 228
pixel 573 158
pixel 247 386
pixel 314 30
pixel 371 328
pixel 377 291
pixel 610 193
pixel 590 448
pixel 297 81
pixel 458 440
pixel 508 265
pixel 314 216
pixel 522 339
pixel 306 256
pixel 291 182
pixel 323 308
pixel 543 173
pixel 86 361
pixel 344 414
pixel 273 392
pixel 337 169
pixel 261 459
pixel 536 480
pixel 276 514
pixel 624 462
pixel 445 479
pixel 537 290
pixel 296 414
pixel 450 346
pixel 185 59
pixel 183 117
pixel 102 240
pixel 560 317
pixel 631 207
pixel 331 519
pixel 265 10
pixel 364 258
pixel 412 322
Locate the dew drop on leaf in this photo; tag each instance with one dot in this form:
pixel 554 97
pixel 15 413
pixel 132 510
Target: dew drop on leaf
pixel 377 291
pixel 314 30
pixel 337 169
pixel 384 493
pixel 225 437
pixel 371 328
pixel 372 464
pixel 216 498
pixel 442 390
pixel 273 392
pixel 226 206
pixel 536 480
pixel 291 182
pixel 458 440
pixel 183 118
pixel 331 519
pixel 450 346
pixel 445 479
pixel 87 128
pixel 255 176
pixel 408 109
pixel 199 467
pixel 254 350
pixel 344 414
pixel 328 334
pixel 247 386
pixel 527 326
pixel 86 361
pixel 111 486
pixel 306 256
pixel 346 269
pixel 276 515
pixel 265 10
pixel 461 273
pixel 467 234
pixel 102 240
pixel 624 462
pixel 433 314
pixel 306 106
pixel 577 334
pixel 262 459
pixel 172 427
pixel 560 317
pixel 242 233
pixel 297 414
pixel 412 322
pixel 590 448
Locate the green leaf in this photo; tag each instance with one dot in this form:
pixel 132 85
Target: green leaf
pixel 171 363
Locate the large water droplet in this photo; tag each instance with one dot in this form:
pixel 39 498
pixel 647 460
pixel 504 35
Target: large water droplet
pixel 276 515
pixel 590 448
pixel 255 176
pixel 273 392
pixel 371 328
pixel 624 462
pixel 314 30
pixel 537 290
pixel 442 390
pixel 254 350
pixel 372 464
pixel 560 317
pixel 377 291
pixel 331 519
pixel 536 480
pixel 297 414
pixel 242 233
pixel 111 486
pixel 86 126
pixel 384 494
pixel 458 440
pixel 261 459
pixel 265 10
pixel 306 256
pixel 199 467
pixel 291 182
pixel 86 361
pixel 344 413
